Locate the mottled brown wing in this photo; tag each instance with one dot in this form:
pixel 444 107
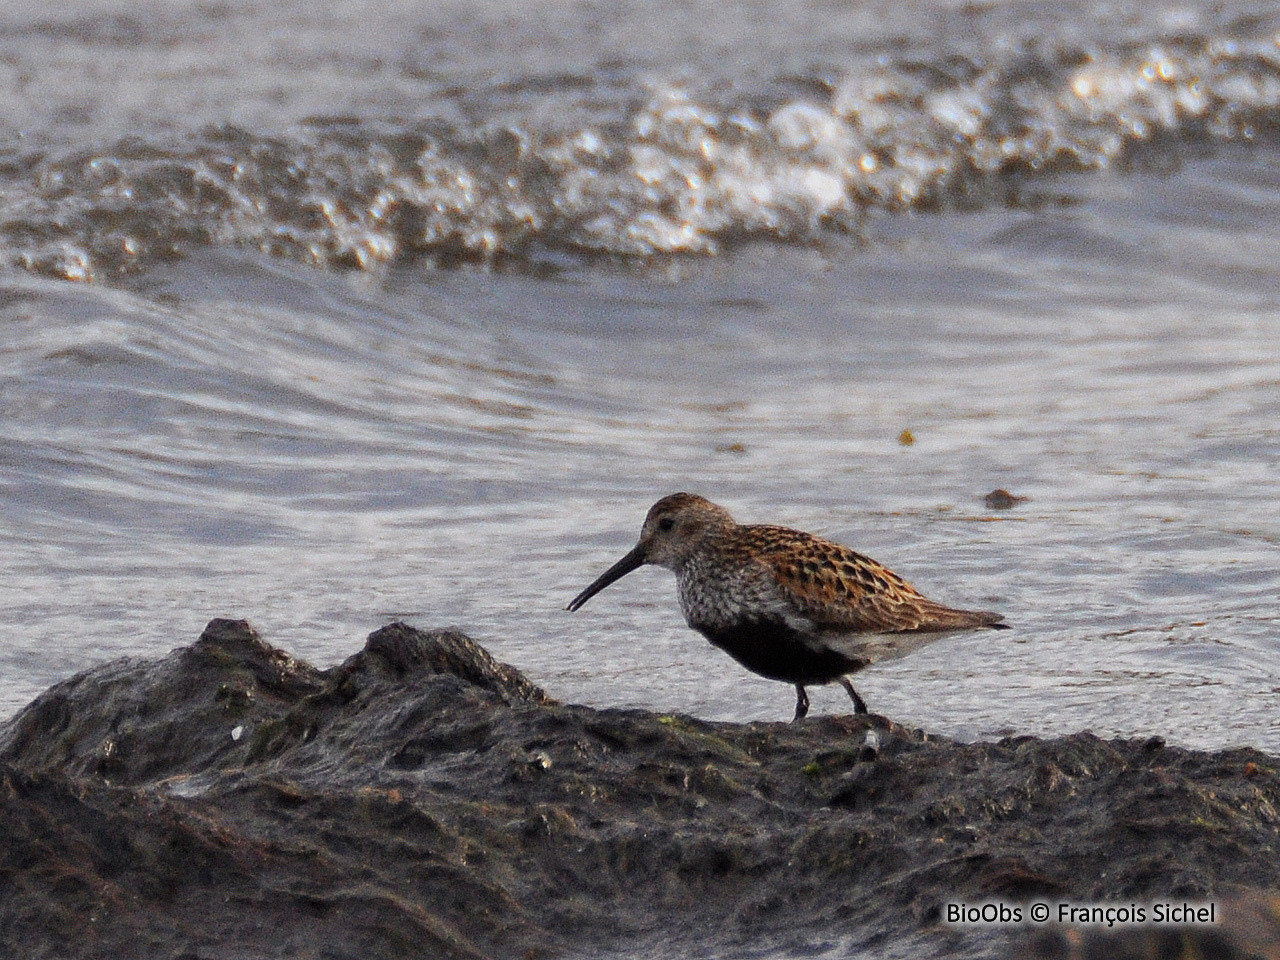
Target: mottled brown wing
pixel 842 591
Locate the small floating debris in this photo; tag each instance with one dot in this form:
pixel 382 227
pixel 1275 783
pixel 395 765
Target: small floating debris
pixel 906 437
pixel 1002 500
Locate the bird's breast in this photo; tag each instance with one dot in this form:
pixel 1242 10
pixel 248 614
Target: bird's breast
pixel 715 596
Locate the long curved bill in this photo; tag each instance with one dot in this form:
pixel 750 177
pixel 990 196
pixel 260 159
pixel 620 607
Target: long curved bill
pixel 631 561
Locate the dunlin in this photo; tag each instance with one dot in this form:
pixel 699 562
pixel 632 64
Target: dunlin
pixel 785 604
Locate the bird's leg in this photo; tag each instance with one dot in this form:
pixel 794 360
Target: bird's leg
pixel 802 703
pixel 859 706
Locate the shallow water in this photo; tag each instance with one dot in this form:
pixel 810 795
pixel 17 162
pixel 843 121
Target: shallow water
pixel 322 330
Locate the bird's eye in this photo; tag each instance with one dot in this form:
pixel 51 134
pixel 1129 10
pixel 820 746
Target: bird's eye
pixel 666 524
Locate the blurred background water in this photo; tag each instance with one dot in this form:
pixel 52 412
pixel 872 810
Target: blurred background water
pixel 328 314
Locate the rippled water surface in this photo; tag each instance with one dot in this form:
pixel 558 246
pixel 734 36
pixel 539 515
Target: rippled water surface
pixel 389 311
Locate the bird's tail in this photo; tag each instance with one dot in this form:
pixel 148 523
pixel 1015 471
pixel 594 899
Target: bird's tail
pixel 937 617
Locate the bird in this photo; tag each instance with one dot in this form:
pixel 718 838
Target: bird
pixel 785 604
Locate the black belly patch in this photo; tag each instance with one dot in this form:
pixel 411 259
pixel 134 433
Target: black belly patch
pixel 772 649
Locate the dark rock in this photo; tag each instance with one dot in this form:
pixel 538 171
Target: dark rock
pixel 131 721
pixel 424 800
pixel 406 651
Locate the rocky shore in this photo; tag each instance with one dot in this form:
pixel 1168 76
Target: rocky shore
pixel 423 800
